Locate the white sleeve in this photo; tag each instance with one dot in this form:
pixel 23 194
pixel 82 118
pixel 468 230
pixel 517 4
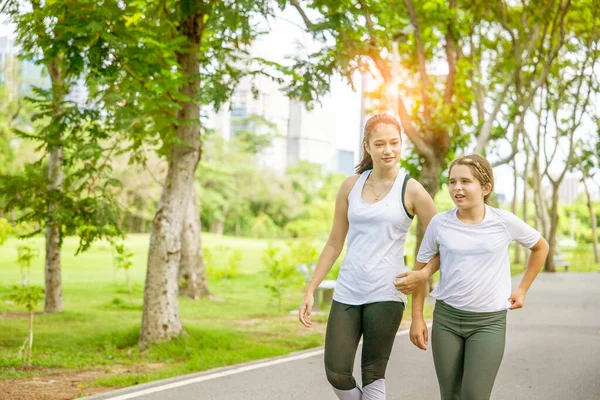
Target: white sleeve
pixel 520 231
pixel 429 246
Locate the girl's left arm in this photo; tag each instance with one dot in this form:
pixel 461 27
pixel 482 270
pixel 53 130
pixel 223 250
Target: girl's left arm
pixel 536 260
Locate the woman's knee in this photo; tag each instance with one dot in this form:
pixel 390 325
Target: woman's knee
pixel 340 380
pixel 373 371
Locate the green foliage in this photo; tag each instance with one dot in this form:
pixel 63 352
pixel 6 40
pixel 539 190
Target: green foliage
pixel 302 251
pixel 240 196
pixel 279 271
pixel 28 296
pixel 123 260
pixel 5 229
pixel 25 254
pixel 221 262
pixel 233 263
pixel 254 134
pixel 575 219
pixel 123 257
pixel 264 227
pixel 64 39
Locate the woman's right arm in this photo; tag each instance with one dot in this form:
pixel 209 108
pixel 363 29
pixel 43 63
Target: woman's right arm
pixel 332 249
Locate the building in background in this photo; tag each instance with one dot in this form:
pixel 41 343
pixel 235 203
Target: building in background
pixel 569 188
pixel 20 76
pixel 327 134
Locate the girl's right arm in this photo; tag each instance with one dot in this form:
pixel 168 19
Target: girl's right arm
pixel 418 328
pixel 428 250
pixel 331 251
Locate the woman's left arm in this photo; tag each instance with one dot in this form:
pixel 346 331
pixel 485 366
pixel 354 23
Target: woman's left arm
pixel 419 203
pixel 538 255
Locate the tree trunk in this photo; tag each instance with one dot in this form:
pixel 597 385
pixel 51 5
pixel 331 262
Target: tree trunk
pixel 517 246
pixel 192 260
pixel 214 226
pixel 541 208
pixel 590 205
pixel 220 228
pixel 130 223
pixel 430 179
pixel 160 319
pixel 552 242
pixel 525 197
pixel 53 298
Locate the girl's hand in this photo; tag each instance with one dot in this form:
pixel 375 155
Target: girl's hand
pixel 305 309
pixel 407 282
pixel 418 333
pixel 517 298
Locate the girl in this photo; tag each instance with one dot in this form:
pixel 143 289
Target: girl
pixel 474 292
pixel 375 208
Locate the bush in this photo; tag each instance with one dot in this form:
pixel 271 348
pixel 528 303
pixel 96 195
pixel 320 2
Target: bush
pixel 5 229
pixel 264 227
pixel 222 263
pixel 279 273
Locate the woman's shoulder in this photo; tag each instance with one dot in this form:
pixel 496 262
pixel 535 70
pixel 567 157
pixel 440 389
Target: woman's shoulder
pixel 348 183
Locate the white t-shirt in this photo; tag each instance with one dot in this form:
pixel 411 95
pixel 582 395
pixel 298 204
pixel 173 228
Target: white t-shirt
pixel 474 258
pixel 375 253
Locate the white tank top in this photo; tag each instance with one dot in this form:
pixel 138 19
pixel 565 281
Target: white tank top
pixel 375 250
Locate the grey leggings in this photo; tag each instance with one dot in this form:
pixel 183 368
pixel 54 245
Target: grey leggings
pixel 377 323
pixel 467 351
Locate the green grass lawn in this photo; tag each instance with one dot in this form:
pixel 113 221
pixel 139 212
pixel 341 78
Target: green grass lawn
pixel 100 325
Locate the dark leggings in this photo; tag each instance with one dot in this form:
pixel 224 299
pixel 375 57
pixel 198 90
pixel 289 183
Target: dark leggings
pixel 467 351
pixel 377 323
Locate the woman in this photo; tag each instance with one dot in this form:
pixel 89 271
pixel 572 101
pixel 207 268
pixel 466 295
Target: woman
pixel 375 208
pixel 474 292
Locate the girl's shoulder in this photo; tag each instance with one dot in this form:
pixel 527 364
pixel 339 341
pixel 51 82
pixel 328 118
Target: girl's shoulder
pixel 442 217
pixel 499 213
pixel 503 217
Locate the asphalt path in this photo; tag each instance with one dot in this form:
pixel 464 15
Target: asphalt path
pixel 552 352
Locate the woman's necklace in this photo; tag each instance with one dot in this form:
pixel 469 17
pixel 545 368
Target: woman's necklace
pixel 384 190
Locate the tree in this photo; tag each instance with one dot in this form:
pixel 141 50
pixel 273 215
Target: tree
pixel 168 59
pixel 27 296
pixel 587 161
pixel 569 87
pixel 73 194
pixel 403 43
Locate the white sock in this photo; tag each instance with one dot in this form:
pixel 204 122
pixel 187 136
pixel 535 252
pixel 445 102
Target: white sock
pixel 352 394
pixel 374 390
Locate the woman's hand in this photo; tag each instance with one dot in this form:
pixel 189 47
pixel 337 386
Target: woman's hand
pixel 305 309
pixel 418 333
pixel 517 298
pixel 407 282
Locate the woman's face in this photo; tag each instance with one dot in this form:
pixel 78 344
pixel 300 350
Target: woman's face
pixel 465 190
pixel 385 145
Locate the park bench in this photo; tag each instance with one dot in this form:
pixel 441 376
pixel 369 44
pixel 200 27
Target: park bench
pixel 324 293
pixel 559 261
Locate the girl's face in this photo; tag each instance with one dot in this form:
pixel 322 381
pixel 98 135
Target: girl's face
pixel 385 146
pixel 465 190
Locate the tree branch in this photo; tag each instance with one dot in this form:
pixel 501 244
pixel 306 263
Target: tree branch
pixel 298 7
pixel 425 81
pixel 484 135
pixel 451 50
